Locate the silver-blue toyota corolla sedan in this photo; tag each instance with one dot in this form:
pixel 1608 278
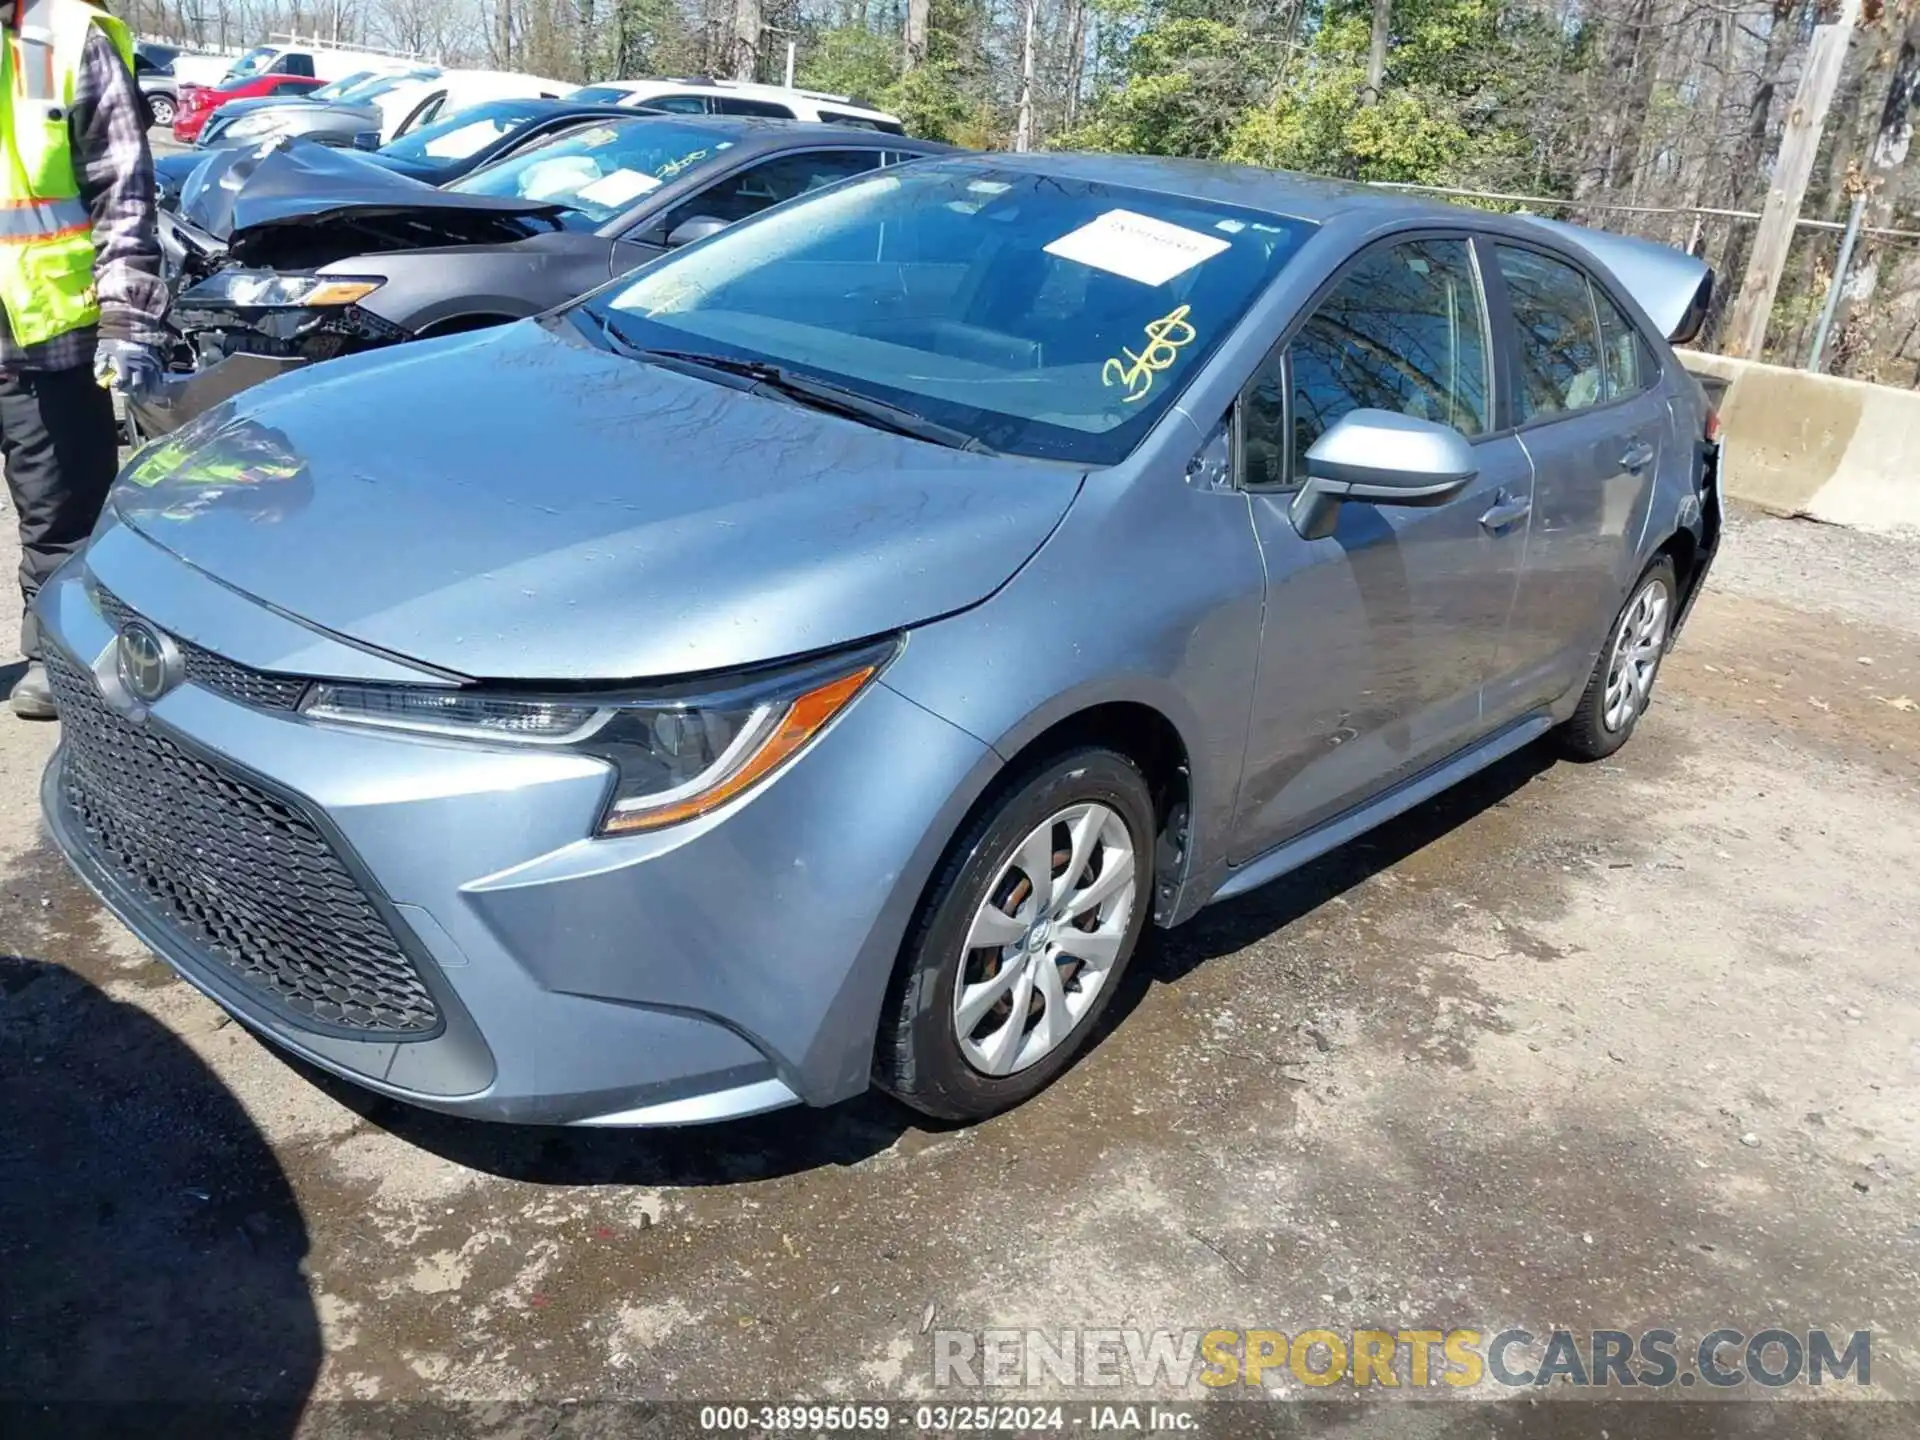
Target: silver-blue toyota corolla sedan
pixel 814 659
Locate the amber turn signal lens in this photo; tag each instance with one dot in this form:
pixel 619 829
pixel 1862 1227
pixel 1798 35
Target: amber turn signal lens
pixel 340 292
pixel 806 715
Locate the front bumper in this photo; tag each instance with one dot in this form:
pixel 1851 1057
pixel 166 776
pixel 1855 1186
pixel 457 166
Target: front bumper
pixel 721 968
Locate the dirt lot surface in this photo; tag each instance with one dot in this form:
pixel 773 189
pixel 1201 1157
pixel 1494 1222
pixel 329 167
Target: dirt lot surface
pixel 1622 1045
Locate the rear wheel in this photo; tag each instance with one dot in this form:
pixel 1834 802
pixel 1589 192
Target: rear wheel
pixel 1022 940
pixel 1621 686
pixel 160 110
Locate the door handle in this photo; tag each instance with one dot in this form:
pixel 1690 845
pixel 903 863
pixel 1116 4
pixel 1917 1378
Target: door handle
pixel 1507 512
pixel 1638 455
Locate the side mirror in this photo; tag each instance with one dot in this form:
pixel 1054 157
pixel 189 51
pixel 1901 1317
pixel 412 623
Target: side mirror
pixel 1379 457
pixel 698 228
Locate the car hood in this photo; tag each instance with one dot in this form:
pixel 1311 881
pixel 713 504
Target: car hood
pixel 516 504
pixel 257 103
pixel 292 182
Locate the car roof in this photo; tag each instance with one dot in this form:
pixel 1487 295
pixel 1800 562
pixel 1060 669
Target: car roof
pixel 748 90
pixel 540 107
pixel 766 134
pixel 1280 192
pixel 1667 283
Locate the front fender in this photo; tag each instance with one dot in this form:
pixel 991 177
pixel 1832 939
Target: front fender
pixel 1151 592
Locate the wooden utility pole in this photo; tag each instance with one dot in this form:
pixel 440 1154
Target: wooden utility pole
pixel 1377 52
pixel 1023 131
pixel 1800 142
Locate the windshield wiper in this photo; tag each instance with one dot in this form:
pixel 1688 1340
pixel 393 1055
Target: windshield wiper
pixel 823 395
pixel 617 339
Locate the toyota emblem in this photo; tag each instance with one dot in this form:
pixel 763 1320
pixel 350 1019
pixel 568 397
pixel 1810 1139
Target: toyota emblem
pixel 150 663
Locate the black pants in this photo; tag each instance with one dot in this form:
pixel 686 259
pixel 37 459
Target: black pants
pixel 61 446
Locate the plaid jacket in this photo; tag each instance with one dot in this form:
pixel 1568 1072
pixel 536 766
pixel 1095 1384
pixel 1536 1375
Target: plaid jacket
pixel 107 123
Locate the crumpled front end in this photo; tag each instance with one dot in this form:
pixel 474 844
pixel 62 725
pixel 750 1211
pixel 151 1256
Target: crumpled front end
pixel 245 248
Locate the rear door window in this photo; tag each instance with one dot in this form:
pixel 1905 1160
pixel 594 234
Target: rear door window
pixel 1559 359
pixel 677 104
pixel 1627 364
pixel 739 105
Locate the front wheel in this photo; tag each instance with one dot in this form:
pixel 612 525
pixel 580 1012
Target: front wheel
pixel 1021 940
pixel 1621 686
pixel 160 110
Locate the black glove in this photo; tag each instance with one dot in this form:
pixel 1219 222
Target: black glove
pixel 127 366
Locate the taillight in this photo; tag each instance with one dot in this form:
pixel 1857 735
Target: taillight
pixel 1713 426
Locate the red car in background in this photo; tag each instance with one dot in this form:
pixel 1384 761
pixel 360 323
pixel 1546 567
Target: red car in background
pixel 197 102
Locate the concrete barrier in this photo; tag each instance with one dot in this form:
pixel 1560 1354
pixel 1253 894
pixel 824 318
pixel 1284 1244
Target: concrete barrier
pixel 1842 451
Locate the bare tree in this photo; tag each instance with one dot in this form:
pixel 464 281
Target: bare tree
pixel 1891 143
pixel 913 48
pixel 1377 51
pixel 745 60
pixel 420 27
pixel 1023 129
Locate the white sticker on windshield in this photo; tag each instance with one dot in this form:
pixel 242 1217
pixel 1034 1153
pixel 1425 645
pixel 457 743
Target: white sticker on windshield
pixel 459 144
pixel 618 188
pixel 1137 247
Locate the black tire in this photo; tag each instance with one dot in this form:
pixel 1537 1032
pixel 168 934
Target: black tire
pixel 1586 735
pixel 160 110
pixel 918 1057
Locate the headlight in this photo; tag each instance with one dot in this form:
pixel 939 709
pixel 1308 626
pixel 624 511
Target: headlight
pixel 249 126
pixel 677 752
pixel 264 290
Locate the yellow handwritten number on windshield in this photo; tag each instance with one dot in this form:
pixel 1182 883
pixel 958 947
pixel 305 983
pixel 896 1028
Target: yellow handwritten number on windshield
pixel 1166 337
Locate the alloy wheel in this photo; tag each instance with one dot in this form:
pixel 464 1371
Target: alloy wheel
pixel 162 110
pixel 1637 648
pixel 1044 940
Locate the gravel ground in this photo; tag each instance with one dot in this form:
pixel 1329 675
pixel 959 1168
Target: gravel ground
pixel 1606 1046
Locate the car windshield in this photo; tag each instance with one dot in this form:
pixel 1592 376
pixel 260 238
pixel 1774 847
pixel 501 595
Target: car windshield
pixel 463 134
pixel 1041 315
pixel 380 85
pixel 252 63
pixel 334 89
pixel 599 170
pixel 598 95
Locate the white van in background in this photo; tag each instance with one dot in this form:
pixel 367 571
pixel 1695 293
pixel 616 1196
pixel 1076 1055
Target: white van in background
pixel 418 101
pixel 740 97
pixel 324 62
pixel 205 70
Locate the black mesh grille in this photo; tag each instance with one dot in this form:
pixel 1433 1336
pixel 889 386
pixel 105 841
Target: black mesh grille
pixel 258 688
pixel 245 878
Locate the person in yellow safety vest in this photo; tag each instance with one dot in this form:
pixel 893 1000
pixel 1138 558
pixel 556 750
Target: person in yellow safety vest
pixel 81 298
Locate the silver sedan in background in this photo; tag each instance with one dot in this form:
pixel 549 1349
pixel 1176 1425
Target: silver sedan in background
pixel 817 657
